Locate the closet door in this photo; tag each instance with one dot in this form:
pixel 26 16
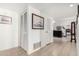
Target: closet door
pixel 24 31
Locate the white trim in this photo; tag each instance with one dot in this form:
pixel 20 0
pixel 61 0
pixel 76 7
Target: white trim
pixel 30 52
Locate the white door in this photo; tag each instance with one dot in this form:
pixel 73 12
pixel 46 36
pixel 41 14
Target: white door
pixel 23 31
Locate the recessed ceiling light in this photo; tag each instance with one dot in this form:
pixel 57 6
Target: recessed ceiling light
pixel 71 5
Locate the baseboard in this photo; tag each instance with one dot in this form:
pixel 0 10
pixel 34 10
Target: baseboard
pixel 30 52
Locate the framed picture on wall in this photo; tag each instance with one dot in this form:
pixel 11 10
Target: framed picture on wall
pixel 37 21
pixel 5 19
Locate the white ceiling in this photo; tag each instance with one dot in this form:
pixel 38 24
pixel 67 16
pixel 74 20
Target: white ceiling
pixel 56 10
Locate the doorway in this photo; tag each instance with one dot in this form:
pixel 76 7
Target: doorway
pixel 73 32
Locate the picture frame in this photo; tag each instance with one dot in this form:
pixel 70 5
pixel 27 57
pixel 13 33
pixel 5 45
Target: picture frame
pixel 37 21
pixel 5 19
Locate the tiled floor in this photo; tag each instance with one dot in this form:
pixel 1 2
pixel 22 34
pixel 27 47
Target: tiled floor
pixel 57 48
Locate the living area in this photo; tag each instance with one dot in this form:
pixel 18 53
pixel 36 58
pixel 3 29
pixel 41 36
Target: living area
pixel 62 28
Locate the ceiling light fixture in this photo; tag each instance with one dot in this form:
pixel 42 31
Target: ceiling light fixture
pixel 71 5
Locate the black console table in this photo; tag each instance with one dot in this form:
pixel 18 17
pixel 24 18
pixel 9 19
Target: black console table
pixel 57 33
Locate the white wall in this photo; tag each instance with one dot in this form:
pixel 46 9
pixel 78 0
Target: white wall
pixel 33 34
pixel 46 35
pixel 9 32
pixel 36 35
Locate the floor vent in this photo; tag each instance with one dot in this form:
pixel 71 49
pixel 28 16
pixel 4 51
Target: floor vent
pixel 48 44
pixel 37 45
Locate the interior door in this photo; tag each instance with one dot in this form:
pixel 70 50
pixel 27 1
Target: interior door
pixel 23 31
